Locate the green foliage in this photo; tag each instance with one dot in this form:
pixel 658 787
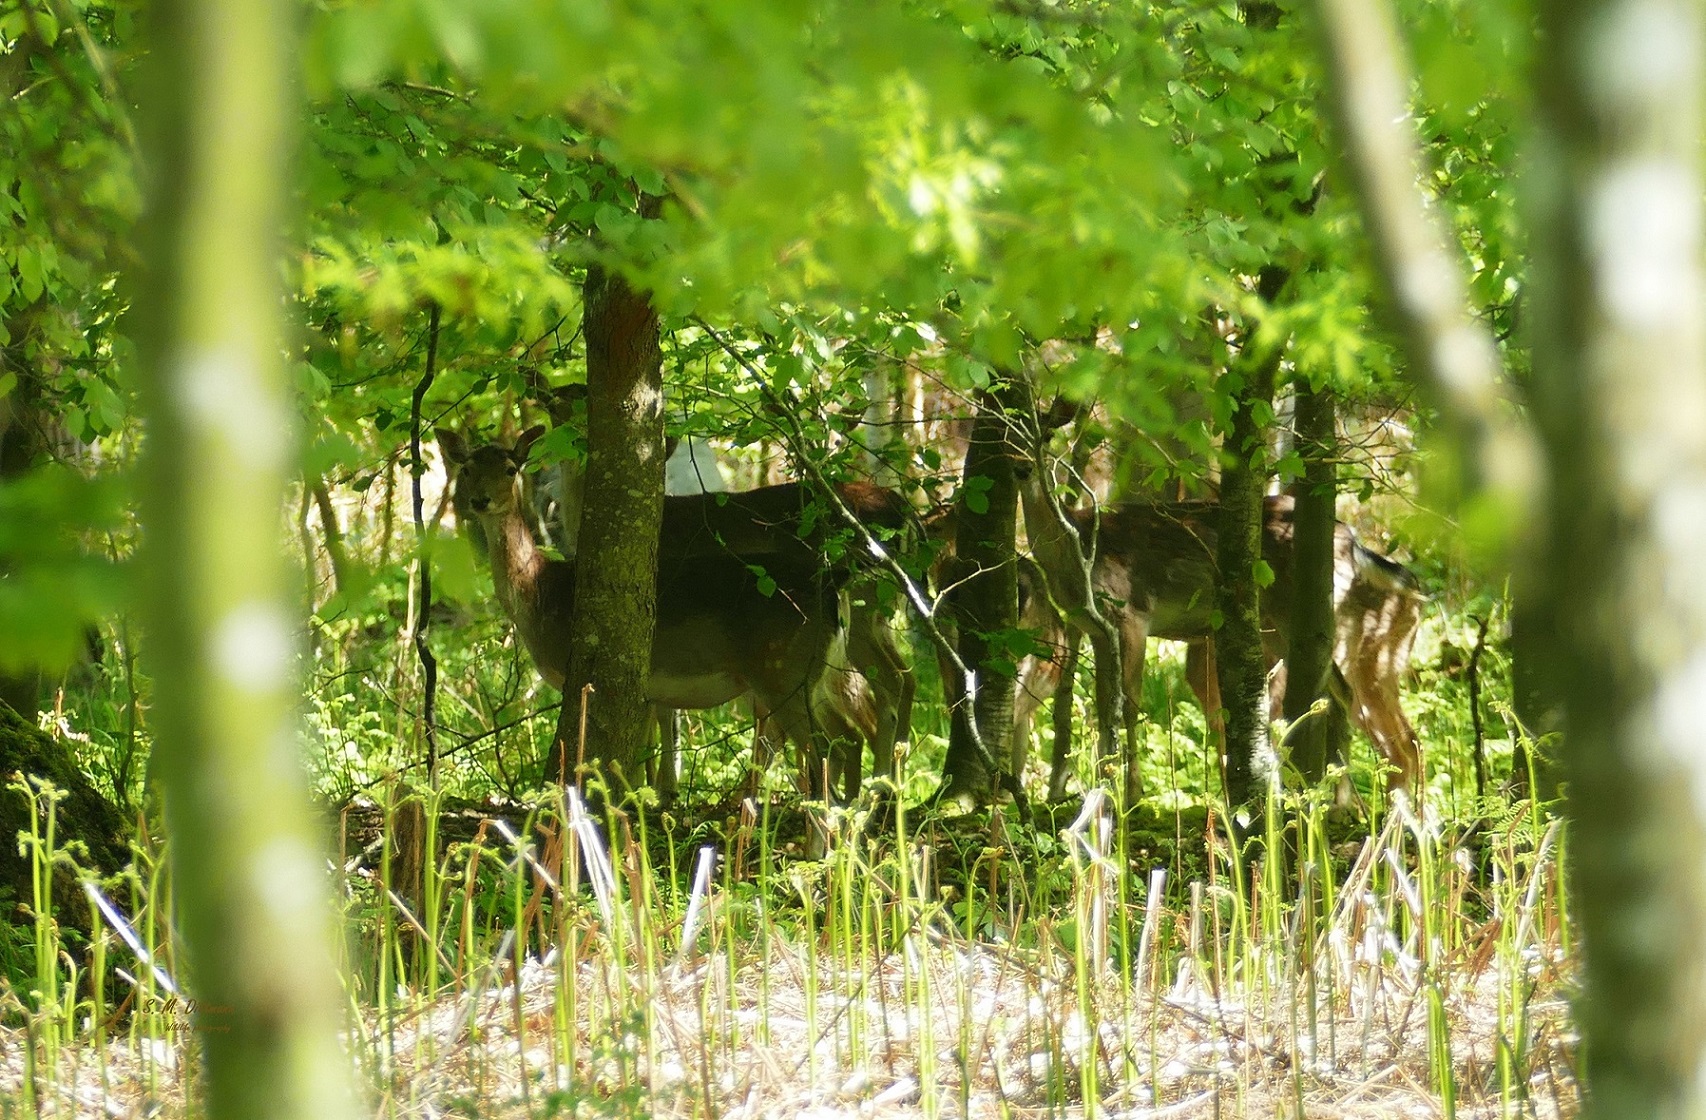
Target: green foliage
pixel 57 532
pixel 849 189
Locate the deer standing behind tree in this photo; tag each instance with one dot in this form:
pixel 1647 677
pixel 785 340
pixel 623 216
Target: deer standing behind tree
pixel 867 687
pixel 1154 571
pixel 746 603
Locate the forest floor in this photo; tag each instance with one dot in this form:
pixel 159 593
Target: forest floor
pixel 1424 970
pixel 779 1030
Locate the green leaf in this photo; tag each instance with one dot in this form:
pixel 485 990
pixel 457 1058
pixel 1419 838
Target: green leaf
pixel 455 569
pixel 974 494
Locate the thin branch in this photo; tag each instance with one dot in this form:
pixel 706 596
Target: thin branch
pixel 1419 262
pixel 429 663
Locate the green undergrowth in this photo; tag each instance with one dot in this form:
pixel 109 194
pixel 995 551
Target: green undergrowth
pixel 744 951
pixel 645 962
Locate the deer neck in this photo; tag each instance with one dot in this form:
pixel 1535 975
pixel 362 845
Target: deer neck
pixel 1050 537
pixel 517 563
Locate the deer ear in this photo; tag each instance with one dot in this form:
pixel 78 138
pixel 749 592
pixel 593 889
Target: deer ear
pixel 560 405
pixel 455 448
pixel 525 441
pixel 1060 413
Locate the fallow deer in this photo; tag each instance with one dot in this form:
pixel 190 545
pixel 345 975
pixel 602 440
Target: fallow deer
pixel 718 634
pixel 867 687
pixel 872 689
pixel 1154 570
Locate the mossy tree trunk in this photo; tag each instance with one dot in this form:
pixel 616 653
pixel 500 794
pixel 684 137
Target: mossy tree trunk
pixel 1619 392
pixel 1240 659
pixel 83 816
pixel 1309 654
pixel 616 557
pixel 985 595
pixel 249 872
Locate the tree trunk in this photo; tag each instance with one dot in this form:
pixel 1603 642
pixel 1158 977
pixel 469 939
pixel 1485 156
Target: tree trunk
pixel 1619 392
pixel 332 536
pixel 1060 760
pixel 1537 708
pixel 1309 653
pixel 1240 658
pixel 84 815
pixel 249 874
pixel 985 598
pixel 616 555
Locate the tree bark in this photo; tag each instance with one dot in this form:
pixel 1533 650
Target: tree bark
pixel 1240 658
pixel 1538 709
pixel 249 874
pixel 985 597
pixel 1619 393
pixel 1060 760
pixel 332 535
pixel 1309 654
pixel 84 815
pixel 616 555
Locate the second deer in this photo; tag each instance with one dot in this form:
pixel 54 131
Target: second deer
pixel 1154 570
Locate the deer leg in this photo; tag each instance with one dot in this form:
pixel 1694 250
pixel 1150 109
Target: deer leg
pixel 851 715
pixel 1038 678
pixel 1380 714
pixel 1105 643
pixel 788 685
pixel 765 735
pixel 791 714
pixel 1062 755
pixel 667 760
pixel 1205 683
pixel 1378 651
pixel 871 648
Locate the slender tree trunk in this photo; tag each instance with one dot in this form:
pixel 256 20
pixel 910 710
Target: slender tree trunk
pixel 1533 677
pixel 249 875
pixel 1619 391
pixel 332 535
pixel 1240 658
pixel 616 556
pixel 1309 653
pixel 985 598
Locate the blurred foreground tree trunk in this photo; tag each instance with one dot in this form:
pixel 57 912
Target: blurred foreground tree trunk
pixel 1615 597
pixel 617 546
pixel 21 450
pixel 249 874
pixel 1619 395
